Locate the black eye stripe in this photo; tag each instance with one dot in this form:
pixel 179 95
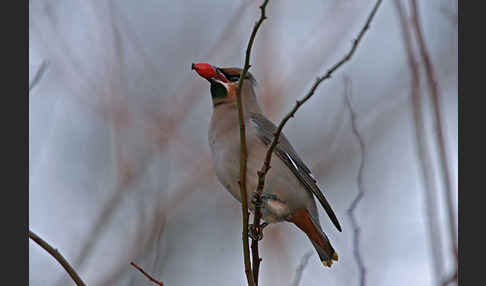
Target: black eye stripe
pixel 233 77
pixel 218 91
pixel 230 77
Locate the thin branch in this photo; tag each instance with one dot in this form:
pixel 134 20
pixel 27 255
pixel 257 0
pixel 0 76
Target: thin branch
pixel 300 269
pixel 147 275
pixel 243 154
pixel 424 159
pixel 268 157
pixel 38 75
pixel 434 93
pixel 256 259
pixel 319 80
pixel 42 243
pixel 361 193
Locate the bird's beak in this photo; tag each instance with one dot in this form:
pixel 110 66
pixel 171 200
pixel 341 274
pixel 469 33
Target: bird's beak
pixel 209 72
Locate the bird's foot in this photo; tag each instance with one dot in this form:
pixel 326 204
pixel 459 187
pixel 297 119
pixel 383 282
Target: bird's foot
pixel 256 233
pixel 268 196
pixel 256 199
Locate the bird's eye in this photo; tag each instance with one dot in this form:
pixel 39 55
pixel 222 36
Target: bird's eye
pixel 233 78
pixel 230 77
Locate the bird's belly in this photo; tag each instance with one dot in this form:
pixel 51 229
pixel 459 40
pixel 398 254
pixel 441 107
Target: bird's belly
pixel 285 192
pixel 226 167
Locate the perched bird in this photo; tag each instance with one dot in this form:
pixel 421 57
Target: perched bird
pixel 290 187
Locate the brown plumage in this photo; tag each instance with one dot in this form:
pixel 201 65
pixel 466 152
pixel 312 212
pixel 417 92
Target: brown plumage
pixel 290 187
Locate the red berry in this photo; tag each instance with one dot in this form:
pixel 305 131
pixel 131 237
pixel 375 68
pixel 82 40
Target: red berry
pixel 205 70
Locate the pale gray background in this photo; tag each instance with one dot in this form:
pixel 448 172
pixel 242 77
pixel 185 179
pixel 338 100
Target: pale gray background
pixel 119 164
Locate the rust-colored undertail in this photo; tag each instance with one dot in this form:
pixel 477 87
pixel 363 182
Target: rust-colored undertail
pixel 321 243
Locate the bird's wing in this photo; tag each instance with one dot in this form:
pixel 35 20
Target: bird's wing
pixel 285 152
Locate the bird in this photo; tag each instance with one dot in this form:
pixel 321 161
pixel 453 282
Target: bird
pixel 290 188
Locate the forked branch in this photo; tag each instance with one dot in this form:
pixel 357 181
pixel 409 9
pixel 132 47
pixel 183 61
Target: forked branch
pixel 268 157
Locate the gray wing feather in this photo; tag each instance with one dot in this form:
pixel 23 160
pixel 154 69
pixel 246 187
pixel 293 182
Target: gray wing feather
pixel 286 153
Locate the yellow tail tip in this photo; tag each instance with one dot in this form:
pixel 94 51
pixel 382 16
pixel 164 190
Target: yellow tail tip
pixel 335 256
pixel 327 263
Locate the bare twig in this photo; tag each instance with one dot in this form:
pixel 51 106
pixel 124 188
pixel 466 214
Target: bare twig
pixel 268 157
pixel 266 164
pixel 147 275
pixel 308 56
pixel 319 80
pixel 424 159
pixel 38 75
pixel 255 252
pixel 146 237
pixel 359 196
pixel 300 269
pixel 244 204
pixel 434 93
pixel 42 243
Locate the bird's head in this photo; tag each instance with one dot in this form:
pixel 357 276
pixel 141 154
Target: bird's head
pixel 224 82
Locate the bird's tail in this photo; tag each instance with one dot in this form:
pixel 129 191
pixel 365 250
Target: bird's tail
pixel 320 241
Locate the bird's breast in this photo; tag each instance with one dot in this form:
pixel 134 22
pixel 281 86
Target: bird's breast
pixel 224 145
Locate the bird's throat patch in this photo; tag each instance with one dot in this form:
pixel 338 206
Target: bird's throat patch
pixel 218 91
pixel 222 94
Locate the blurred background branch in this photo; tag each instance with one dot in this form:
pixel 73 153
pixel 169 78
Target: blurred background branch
pixel 410 30
pixel 38 74
pixel 423 156
pixel 444 164
pixel 120 169
pixel 301 267
pixel 359 180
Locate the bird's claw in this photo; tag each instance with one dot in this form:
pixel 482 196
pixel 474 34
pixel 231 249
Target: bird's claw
pixel 256 199
pixel 268 196
pixel 255 233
